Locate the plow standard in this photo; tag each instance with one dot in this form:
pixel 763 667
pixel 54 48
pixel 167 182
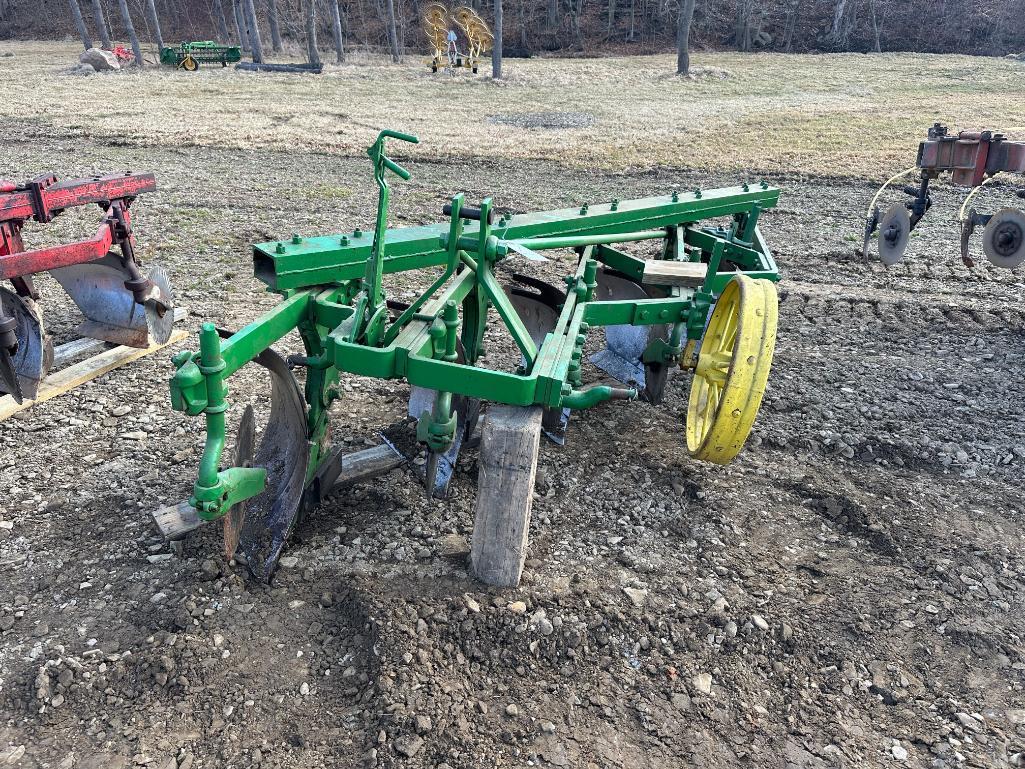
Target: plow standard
pixel 669 288
pixel 119 303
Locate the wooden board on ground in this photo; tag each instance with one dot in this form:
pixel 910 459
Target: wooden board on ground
pixel 505 491
pixel 67 379
pixel 662 272
pixel 175 521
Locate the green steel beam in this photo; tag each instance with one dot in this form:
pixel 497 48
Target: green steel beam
pixel 306 262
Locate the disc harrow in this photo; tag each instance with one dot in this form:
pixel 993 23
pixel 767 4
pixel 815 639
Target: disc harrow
pixel 120 304
pixel 973 159
pixel 683 280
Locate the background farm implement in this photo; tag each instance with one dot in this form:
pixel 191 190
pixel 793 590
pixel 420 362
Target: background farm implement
pixel 190 55
pixel 669 288
pixel 120 304
pixel 973 159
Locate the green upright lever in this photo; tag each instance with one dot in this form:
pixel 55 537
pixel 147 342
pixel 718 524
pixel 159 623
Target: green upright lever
pixel 372 311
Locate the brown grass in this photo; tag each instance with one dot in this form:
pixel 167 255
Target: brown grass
pixel 844 114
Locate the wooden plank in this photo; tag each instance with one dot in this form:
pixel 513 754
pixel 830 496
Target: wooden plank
pixel 80 373
pixel 175 521
pixel 87 345
pixel 505 492
pixel 369 463
pixel 662 272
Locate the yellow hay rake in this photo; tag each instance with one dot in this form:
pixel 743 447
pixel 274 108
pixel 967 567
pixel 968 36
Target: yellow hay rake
pixel 439 25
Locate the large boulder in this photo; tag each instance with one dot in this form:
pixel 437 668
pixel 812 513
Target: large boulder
pixel 99 59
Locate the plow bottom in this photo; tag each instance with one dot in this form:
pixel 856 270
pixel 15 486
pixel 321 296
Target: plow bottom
pixel 268 518
pixel 622 357
pixel 111 314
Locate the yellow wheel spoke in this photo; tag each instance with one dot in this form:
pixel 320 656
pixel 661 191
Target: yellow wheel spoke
pixel 725 400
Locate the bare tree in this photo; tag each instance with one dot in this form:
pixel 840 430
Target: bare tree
pixel 552 23
pixel 336 29
pixel 101 24
pixel 83 32
pixel 222 23
pixel 249 9
pixel 126 18
pixel 155 21
pixel 742 33
pixel 875 26
pixel 683 22
pixel 790 27
pixel 275 30
pixel 839 33
pixel 240 24
pixel 311 33
pixel 393 37
pixel 496 48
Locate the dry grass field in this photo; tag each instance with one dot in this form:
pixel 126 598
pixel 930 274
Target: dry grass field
pixel 847 594
pixel 843 114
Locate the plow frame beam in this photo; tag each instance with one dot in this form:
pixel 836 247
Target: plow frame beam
pixel 329 282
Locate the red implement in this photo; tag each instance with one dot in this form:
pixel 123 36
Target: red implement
pixel 119 303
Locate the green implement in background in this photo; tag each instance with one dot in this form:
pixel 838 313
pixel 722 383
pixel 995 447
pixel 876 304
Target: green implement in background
pixel 190 55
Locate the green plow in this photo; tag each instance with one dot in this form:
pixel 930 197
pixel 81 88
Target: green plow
pixel 669 288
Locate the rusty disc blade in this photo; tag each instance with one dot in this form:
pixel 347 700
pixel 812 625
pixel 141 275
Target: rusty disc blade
pixel 160 310
pixel 894 232
pixel 245 445
pixel 9 377
pixel 34 355
pixel 1003 240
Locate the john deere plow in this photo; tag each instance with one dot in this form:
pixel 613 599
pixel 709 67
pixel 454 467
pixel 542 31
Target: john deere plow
pixel 683 280
pixel 102 275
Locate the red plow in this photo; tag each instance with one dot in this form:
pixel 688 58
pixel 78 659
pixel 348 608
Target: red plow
pixel 102 275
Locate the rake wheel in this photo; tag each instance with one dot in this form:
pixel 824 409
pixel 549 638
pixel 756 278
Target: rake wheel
pixel 732 369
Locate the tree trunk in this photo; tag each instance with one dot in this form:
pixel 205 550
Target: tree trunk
pixel 612 18
pixel 155 21
pixel 254 31
pixel 875 26
pixel 76 14
pixel 311 32
pixel 742 35
pixel 240 24
pixel 126 17
pixel 336 29
pixel 793 19
pixel 496 49
pixel 275 30
pixel 683 23
pixel 553 16
pixel 838 35
pixel 222 23
pixel 393 36
pixel 101 25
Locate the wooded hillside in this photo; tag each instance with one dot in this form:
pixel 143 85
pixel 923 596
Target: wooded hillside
pixel 989 27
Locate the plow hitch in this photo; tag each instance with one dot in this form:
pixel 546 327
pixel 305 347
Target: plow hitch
pixel 676 281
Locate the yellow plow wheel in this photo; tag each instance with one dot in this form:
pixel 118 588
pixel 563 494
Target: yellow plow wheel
pixel 732 368
pixel 189 64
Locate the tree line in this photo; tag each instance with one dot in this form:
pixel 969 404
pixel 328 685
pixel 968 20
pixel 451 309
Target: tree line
pixel 526 27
